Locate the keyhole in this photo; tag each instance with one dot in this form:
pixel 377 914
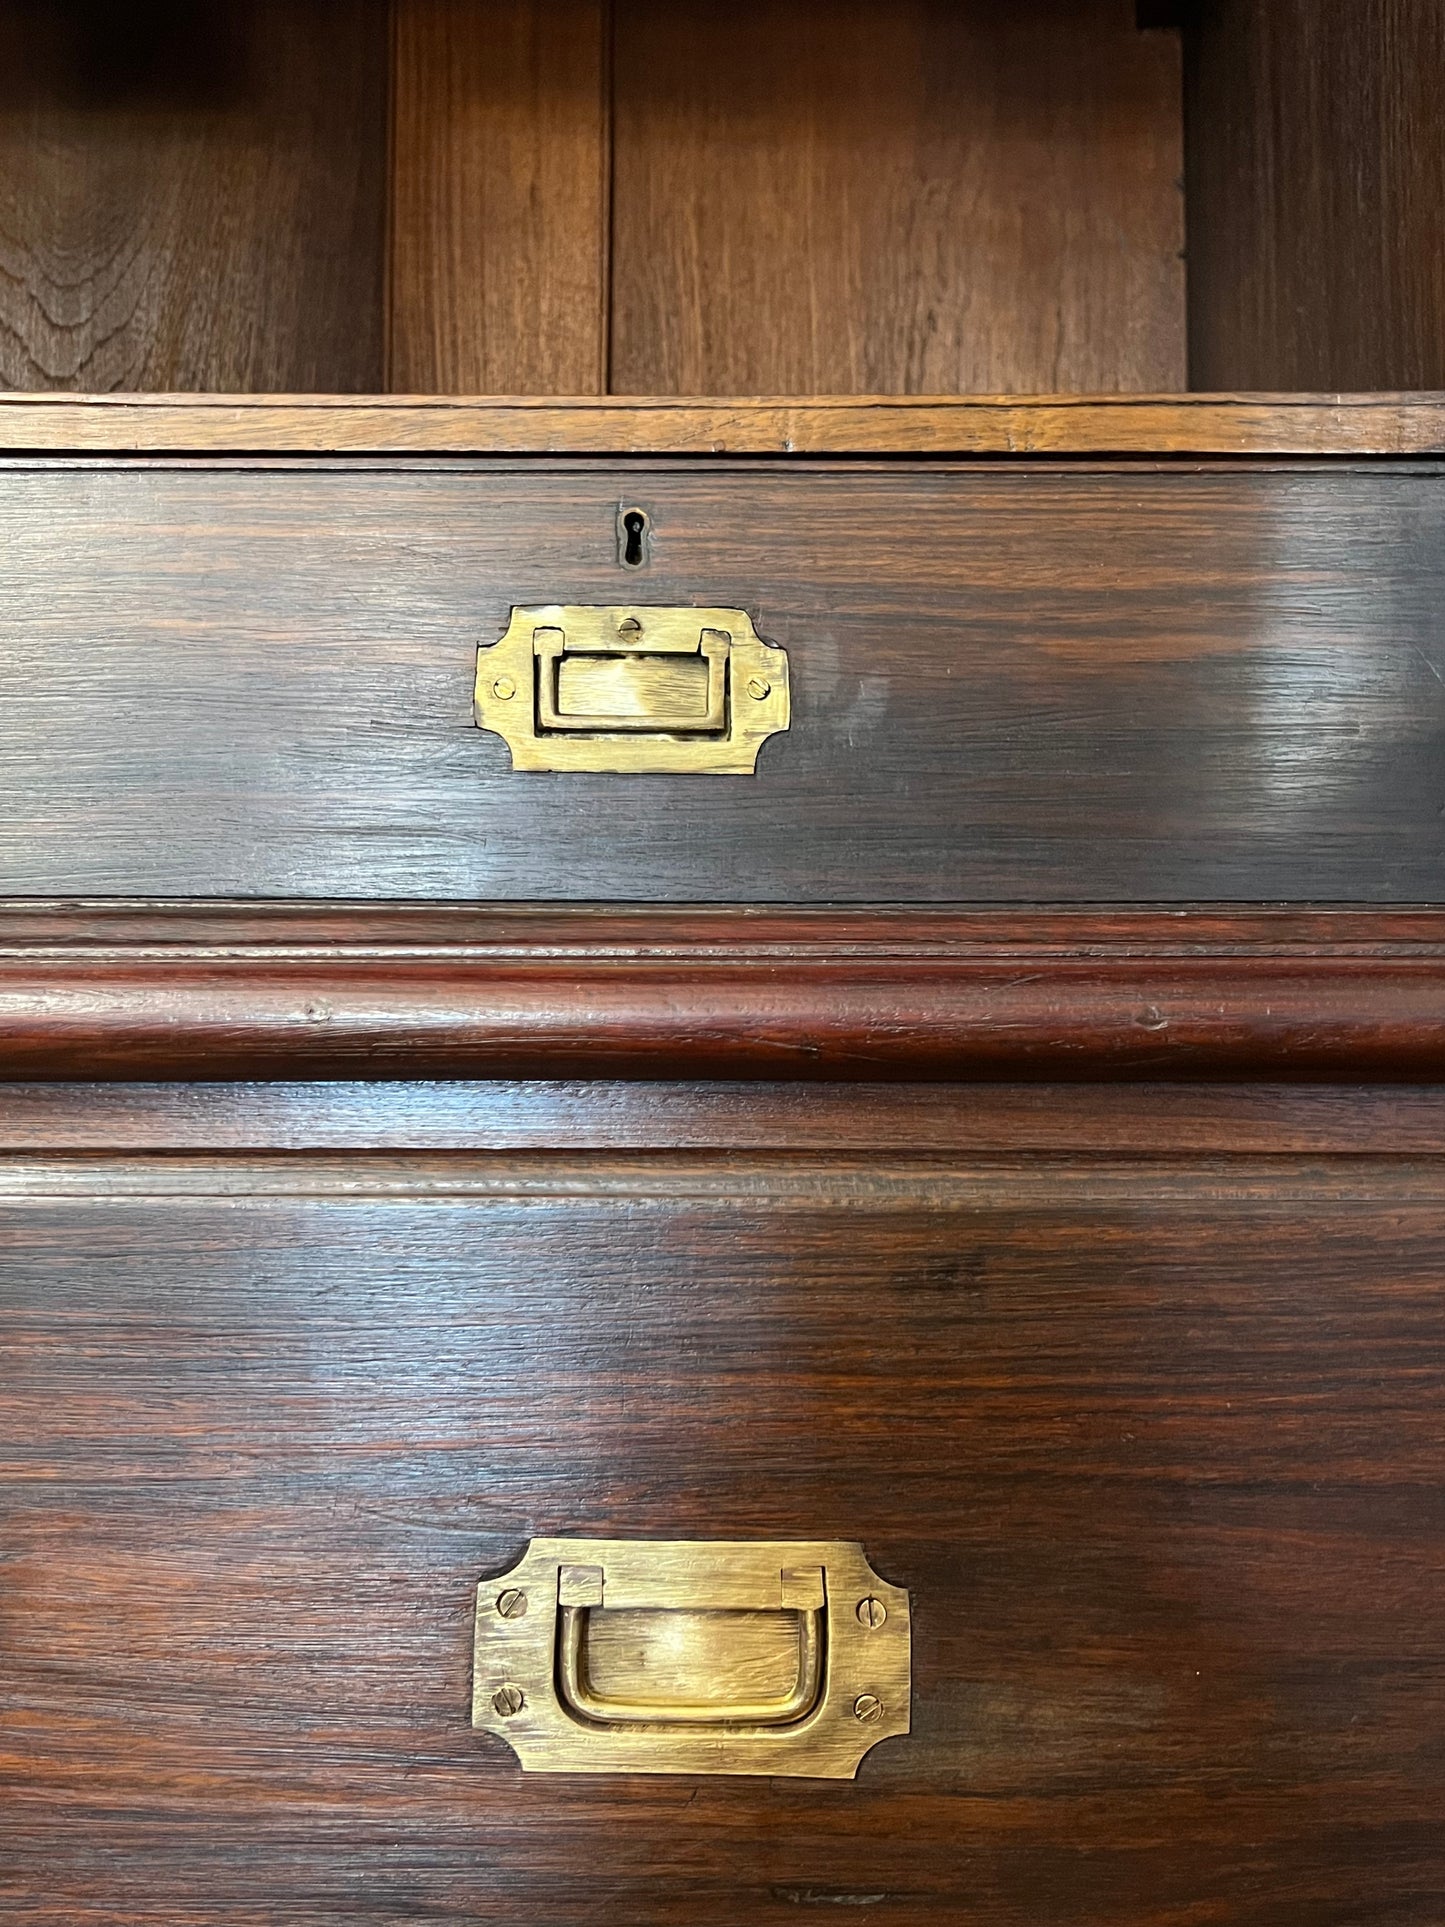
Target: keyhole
pixel 633 527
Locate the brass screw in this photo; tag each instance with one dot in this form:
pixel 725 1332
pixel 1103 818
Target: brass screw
pixel 871 1612
pixel 757 688
pixel 508 1700
pixel 513 1603
pixel 504 689
pixel 867 1707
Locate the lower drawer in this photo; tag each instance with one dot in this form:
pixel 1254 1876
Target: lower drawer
pixel 1153 1441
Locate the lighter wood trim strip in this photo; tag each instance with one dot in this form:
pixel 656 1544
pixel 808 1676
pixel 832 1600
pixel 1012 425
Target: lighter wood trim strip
pixel 1319 425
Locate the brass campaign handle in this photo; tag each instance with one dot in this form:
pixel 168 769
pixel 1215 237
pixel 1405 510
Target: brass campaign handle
pixel 635 691
pixel 578 1697
pixel 767 1656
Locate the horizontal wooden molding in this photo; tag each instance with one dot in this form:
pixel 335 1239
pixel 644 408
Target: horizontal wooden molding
pixel 209 992
pixel 1168 425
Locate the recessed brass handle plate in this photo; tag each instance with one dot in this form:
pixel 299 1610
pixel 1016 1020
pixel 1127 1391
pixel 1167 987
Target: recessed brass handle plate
pixel 640 690
pixel 692 1656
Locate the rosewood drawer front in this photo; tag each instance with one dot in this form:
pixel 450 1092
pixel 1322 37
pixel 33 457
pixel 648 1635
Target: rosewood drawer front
pixel 1048 682
pixel 1151 1442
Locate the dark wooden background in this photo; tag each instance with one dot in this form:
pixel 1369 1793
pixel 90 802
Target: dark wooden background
pixel 762 196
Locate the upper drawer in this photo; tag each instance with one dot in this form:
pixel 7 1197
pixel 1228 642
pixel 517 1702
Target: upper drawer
pixel 1062 682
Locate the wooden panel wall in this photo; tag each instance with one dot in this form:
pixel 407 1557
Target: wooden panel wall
pixel 1317 194
pixel 881 195
pixel 499 222
pixel 192 197
pixel 876 195
pixel 916 196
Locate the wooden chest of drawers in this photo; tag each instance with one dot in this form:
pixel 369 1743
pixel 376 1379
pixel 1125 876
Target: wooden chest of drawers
pixel 1005 1133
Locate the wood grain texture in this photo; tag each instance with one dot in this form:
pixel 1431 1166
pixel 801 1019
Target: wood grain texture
pixel 902 196
pixel 499 216
pixel 1316 192
pixel 1153 1443
pixel 192 197
pixel 1151 425
pixel 723 1115
pixel 255 993
pixel 1180 683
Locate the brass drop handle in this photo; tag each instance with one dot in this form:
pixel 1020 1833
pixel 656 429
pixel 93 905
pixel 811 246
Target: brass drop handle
pixel 637 691
pixel 580 1593
pixel 772 1656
